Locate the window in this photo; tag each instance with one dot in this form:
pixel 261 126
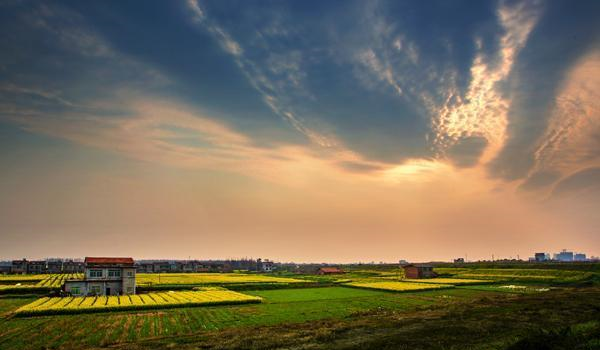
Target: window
pixel 114 273
pixel 95 289
pixel 75 290
pixel 129 273
pixel 95 273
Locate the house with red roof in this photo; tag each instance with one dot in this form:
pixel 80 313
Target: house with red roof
pixel 330 271
pixel 104 276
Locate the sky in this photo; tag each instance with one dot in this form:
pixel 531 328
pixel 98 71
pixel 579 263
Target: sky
pixel 306 131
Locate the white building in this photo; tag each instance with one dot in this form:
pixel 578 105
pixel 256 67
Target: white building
pixel 104 276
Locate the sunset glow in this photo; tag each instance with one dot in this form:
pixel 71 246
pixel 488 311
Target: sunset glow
pixel 299 131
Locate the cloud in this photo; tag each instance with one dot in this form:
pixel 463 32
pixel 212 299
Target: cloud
pixel 572 136
pixel 482 111
pixel 360 167
pixel 273 78
pixel 383 71
pixel 585 181
pixel 539 180
pixel 537 81
pixel 467 151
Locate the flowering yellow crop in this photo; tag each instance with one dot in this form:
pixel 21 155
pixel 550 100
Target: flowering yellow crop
pixel 399 286
pixel 208 278
pixel 67 305
pixel 453 281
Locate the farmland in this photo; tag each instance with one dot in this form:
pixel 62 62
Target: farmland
pixel 516 274
pixel 73 305
pixel 452 281
pixel 34 283
pixel 400 286
pixel 345 313
pixel 208 278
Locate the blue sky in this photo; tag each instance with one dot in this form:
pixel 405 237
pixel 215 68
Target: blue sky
pixel 305 95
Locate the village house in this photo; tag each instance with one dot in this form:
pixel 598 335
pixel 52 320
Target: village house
pixel 71 266
pixel 19 266
pixel 329 271
pixel 418 271
pixel 54 266
pixel 264 265
pixel 36 267
pixel 104 276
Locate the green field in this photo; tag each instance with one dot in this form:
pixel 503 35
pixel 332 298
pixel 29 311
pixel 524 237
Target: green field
pixel 279 306
pixel 335 316
pixel 522 275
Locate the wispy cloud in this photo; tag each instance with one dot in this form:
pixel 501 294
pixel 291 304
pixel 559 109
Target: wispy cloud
pixel 572 138
pixel 482 111
pixel 273 79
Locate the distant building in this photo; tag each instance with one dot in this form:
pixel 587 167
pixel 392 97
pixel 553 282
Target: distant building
pixel 418 271
pixel 579 257
pixel 104 276
pixel 54 266
pixel 329 271
pixel 71 266
pixel 459 260
pixel 5 267
pixel 36 267
pixel 19 266
pixel 564 255
pixel 267 266
pixel 540 257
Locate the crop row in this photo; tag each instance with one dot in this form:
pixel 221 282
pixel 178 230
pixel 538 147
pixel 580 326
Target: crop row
pixel 46 284
pixel 399 286
pixel 452 281
pixel 72 305
pixel 207 278
pixel 57 280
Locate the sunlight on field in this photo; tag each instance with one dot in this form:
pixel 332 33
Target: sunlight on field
pixel 532 275
pixel 73 305
pixel 208 278
pixel 453 281
pixel 24 283
pixel 399 286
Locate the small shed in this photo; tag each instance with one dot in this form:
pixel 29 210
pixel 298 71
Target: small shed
pixel 330 271
pixel 418 271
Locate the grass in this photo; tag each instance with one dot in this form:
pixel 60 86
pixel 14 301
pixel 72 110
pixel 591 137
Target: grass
pixel 399 286
pixel 469 316
pixel 74 305
pixel 476 320
pixel 523 275
pixel 561 320
pixel 510 288
pixel 278 306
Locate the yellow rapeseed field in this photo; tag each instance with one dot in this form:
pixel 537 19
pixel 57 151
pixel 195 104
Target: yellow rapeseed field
pixel 453 281
pixel 208 278
pixel 24 283
pixel 399 286
pixel 70 305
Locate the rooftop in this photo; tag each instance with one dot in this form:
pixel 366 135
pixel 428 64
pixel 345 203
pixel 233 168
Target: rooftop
pixel 108 260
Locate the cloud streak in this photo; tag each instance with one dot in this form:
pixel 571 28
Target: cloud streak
pixel 482 111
